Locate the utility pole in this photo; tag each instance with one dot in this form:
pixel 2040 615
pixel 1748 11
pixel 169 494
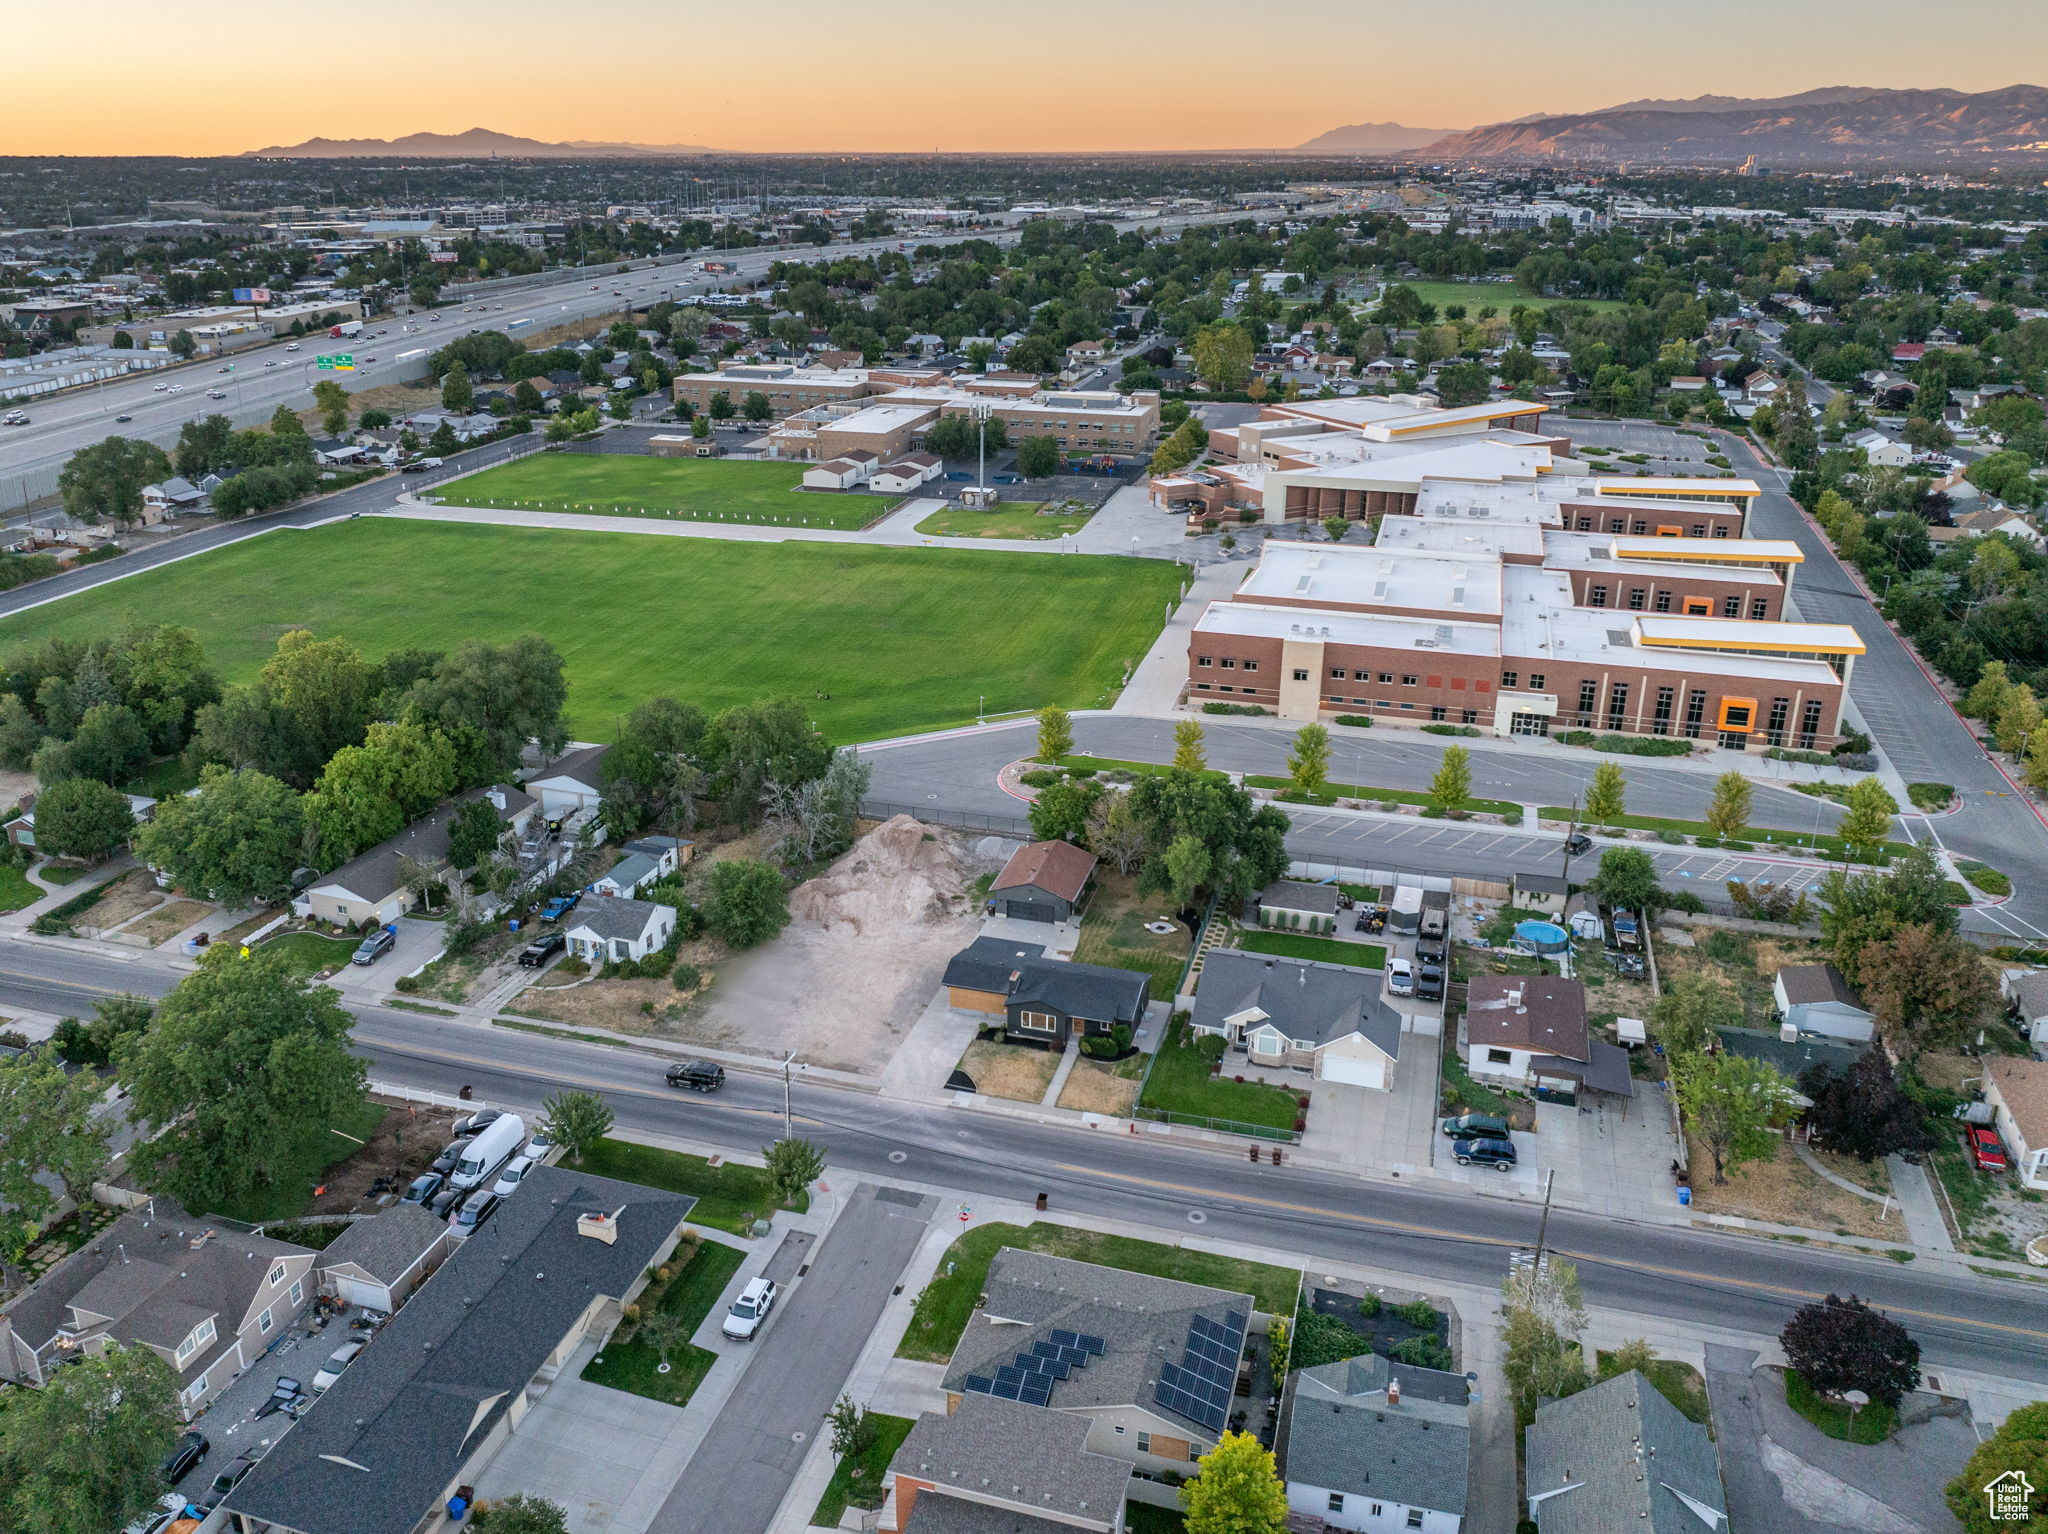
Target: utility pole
pixel 1570 837
pixel 1543 1225
pixel 787 1132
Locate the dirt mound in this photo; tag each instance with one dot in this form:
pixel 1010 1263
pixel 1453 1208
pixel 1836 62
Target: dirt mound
pixel 900 875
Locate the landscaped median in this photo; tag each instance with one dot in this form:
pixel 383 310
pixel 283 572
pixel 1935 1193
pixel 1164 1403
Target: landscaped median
pixel 1019 519
pixel 1700 834
pixel 1392 796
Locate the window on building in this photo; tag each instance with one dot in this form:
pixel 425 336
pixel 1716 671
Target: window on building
pixel 1663 603
pixel 1470 716
pixel 1774 725
pixel 1119 1430
pixel 1617 525
pixel 1721 531
pixel 1038 1022
pixel 1697 530
pixel 1589 700
pixel 1759 608
pixel 298 1292
pixel 1144 1443
pixel 1636 597
pixel 1596 596
pixel 264 1323
pixel 1336 1501
pixel 1535 681
pixel 1407 703
pixel 1226 687
pixel 1204 660
pixel 1414 1517
pixel 1510 679
pixel 1301 673
pixel 1336 673
pixel 1251 665
pixel 1660 718
pixel 1585 524
pixel 1695 711
pixel 1639 527
pixel 1386 678
pixel 1227 664
pixel 1201 687
pixel 1617 705
pixel 1731 607
pixel 1437 711
pixel 1411 681
pixel 1809 723
pixel 1499 1057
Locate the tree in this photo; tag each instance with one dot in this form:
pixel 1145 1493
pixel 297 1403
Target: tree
pixel 1839 1345
pixel 1055 734
pixel 1189 753
pixel 752 745
pixel 1114 832
pixel 1869 818
pixel 662 1329
pixel 1060 811
pixel 1735 1105
pixel 1544 1314
pixel 793 1165
pixel 651 773
pixel 491 700
pixel 815 821
pixel 244 1061
pixel 474 834
pixel 325 685
pixel 84 1454
pixel 746 902
pixel 1863 1111
pixel 1926 989
pixel 82 818
pixel 1634 1356
pixel 1187 866
pixel 2018 717
pixel 1237 1492
pixel 110 744
pixel 1038 457
pixel 1607 797
pixel 1308 764
pixel 369 793
pixel 854 1429
pixel 1223 356
pixel 1452 785
pixel 47 1129
pixel 332 401
pixel 104 482
pixel 1859 911
pixel 523 1513
pixel 1693 1005
pixel 1728 814
pixel 576 1121
pixel 97 1042
pixel 237 840
pixel 1335 528
pixel 457 394
pixel 1204 833
pixel 1463 383
pixel 755 406
pixel 2019 1448
pixel 720 407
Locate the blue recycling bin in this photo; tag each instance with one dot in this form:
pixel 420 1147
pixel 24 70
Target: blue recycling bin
pixel 1684 1197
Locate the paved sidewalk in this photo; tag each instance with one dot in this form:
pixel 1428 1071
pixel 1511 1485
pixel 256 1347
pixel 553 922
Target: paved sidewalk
pixel 1925 1226
pixel 1155 687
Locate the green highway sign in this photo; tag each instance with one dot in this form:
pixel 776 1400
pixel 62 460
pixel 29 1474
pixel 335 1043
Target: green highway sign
pixel 344 362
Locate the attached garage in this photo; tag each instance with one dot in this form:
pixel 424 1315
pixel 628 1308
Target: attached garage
pixel 1028 910
pixel 1355 1071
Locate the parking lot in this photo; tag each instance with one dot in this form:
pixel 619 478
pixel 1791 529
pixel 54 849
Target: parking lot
pixel 1670 451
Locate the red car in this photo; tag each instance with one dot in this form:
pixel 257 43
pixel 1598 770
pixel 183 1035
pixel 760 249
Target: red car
pixel 1986 1149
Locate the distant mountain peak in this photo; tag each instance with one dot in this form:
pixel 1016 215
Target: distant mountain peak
pixel 1371 138
pixel 468 144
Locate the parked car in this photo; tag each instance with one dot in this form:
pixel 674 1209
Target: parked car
pixel 424 1187
pixel 191 1449
pixel 744 1319
pixel 477 1122
pixel 1400 977
pixel 514 1174
pixel 1429 980
pixel 1475 1126
pixel 413 467
pixel 559 906
pixel 375 946
pixel 1987 1150
pixel 697 1075
pixel 541 949
pixel 445 1201
pixel 229 1479
pixel 476 1209
pixel 337 1361
pixel 541 1143
pixel 445 1162
pixel 1578 844
pixel 1499 1154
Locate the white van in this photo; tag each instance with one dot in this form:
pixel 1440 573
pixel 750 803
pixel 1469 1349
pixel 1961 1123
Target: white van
pixel 490 1150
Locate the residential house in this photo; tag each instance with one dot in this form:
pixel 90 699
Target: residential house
pixel 1531 1030
pixel 1546 894
pixel 439 1392
pixel 1814 998
pixel 1150 1362
pixel 21 830
pixel 1881 451
pixel 618 930
pixel 2026 995
pixel 907 473
pixel 167 497
pixel 1997 518
pixel 1372 1446
pixel 1761 388
pixel 1690 383
pixel 207 1298
pixel 1042 882
pixel 2017 1091
pixel 669 852
pixel 1042 1000
pixel 1908 352
pixel 573 781
pixel 1620 1456
pixel 995 1466
pixel 1788 1050
pixel 369 890
pixel 1325 1019
pixel 1299 906
pixel 627 875
pixel 377 1262
pixel 60 528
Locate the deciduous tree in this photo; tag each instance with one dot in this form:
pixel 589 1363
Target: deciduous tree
pixel 237 840
pixel 576 1121
pixel 325 686
pixel 1839 1345
pixel 1863 1111
pixel 1114 832
pixel 1869 818
pixel 1735 1105
pixel 1728 814
pixel 1055 733
pixel 1190 752
pixel 1925 988
pixel 2019 1448
pixel 104 482
pixel 490 700
pixel 1237 1492
pixel 82 818
pixel 1061 810
pixel 746 902
pixel 751 745
pixel 1859 911
pixel 1607 796
pixel 651 773
pixel 47 1129
pixel 793 1165
pixel 1308 764
pixel 84 1453
pixel 1452 785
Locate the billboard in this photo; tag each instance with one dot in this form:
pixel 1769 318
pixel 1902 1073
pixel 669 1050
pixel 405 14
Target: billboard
pixel 442 258
pixel 252 295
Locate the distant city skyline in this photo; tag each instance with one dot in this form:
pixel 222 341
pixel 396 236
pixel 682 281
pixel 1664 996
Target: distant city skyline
pixel 220 77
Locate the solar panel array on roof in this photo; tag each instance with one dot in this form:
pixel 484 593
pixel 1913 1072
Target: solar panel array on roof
pixel 1199 1387
pixel 1030 1378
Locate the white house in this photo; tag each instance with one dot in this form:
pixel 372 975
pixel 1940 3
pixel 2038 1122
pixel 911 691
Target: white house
pixel 378 1261
pixel 835 474
pixel 372 888
pixel 1326 1020
pixel 624 878
pixel 1880 451
pixel 906 473
pixel 1376 1447
pixel 1814 998
pixel 570 782
pixel 2017 1091
pixel 620 929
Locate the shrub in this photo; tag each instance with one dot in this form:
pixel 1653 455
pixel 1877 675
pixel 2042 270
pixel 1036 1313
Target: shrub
pixel 1855 743
pixel 1355 721
pixel 1931 796
pixel 1671 838
pixel 686 977
pixel 1040 777
pixel 1232 708
pixel 1684 900
pixel 1643 745
pixel 1574 737
pixel 1450 729
pixel 1418 1313
pixel 406 984
pixel 1986 878
pixel 1422 1353
pixel 1369 1306
pixel 1082 772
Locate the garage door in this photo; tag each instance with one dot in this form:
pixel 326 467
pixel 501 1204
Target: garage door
pixel 1031 910
pixel 357 1291
pixel 1353 1073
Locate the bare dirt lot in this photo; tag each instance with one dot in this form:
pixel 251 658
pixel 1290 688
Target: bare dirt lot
pixel 403 1146
pixel 1015 1071
pixel 1786 1191
pixel 133 894
pixel 1093 1087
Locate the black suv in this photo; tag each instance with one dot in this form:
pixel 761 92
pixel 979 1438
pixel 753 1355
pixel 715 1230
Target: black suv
pixel 1499 1154
pixel 1429 979
pixel 191 1449
pixel 697 1075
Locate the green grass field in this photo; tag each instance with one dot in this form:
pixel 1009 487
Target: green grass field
pixel 729 1197
pixel 1180 1083
pixel 1501 295
pixel 633 1365
pixel 687 489
pixel 1020 520
pixel 1319 950
pixel 897 639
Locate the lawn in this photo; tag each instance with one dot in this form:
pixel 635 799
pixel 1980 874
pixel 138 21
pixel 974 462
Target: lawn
pixel 1017 520
pixel 15 890
pixel 686 489
pixel 1322 950
pixel 1181 1087
pixel 949 1299
pixel 1113 932
pixel 632 1365
pixel 889 1435
pixel 1834 846
pixel 1681 1385
pixel 1501 295
pixel 1871 1424
pixel 61 873
pixel 310 953
pixel 875 641
pixel 728 1196
pixel 294 1174
pixel 1390 795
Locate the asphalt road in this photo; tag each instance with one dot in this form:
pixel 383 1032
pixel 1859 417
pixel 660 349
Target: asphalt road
pixel 1691 1277
pixel 267 376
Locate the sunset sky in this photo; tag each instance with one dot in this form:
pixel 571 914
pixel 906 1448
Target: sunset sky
pixel 203 77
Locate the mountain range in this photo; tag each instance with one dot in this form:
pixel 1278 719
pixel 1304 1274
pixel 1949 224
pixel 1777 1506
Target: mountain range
pixel 475 144
pixel 1373 138
pixel 1836 125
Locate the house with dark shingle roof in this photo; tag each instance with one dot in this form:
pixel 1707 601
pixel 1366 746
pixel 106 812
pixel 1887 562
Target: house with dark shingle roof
pixel 205 1297
pixel 1042 882
pixel 1042 1000
pixel 380 1260
pixel 572 781
pixel 369 889
pixel 993 1465
pixel 618 928
pixel 1366 1444
pixel 1816 998
pixel 1619 1456
pixel 1531 1030
pixel 441 1388
pixel 1298 906
pixel 1146 1360
pixel 1290 1013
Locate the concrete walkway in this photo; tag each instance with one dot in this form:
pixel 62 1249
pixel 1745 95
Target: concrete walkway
pixel 1813 1165
pixel 1155 687
pixel 1917 1202
pixel 1058 1084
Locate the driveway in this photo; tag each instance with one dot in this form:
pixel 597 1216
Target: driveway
pixel 1784 1476
pixel 419 943
pixel 747 1462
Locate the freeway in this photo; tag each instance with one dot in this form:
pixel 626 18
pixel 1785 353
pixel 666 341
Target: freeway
pixel 1688 1277
pixel 284 372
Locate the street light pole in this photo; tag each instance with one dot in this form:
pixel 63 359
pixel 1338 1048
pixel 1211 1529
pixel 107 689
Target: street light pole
pixel 787 1133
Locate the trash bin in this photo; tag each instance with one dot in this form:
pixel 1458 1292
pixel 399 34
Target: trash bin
pixel 1684 1197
